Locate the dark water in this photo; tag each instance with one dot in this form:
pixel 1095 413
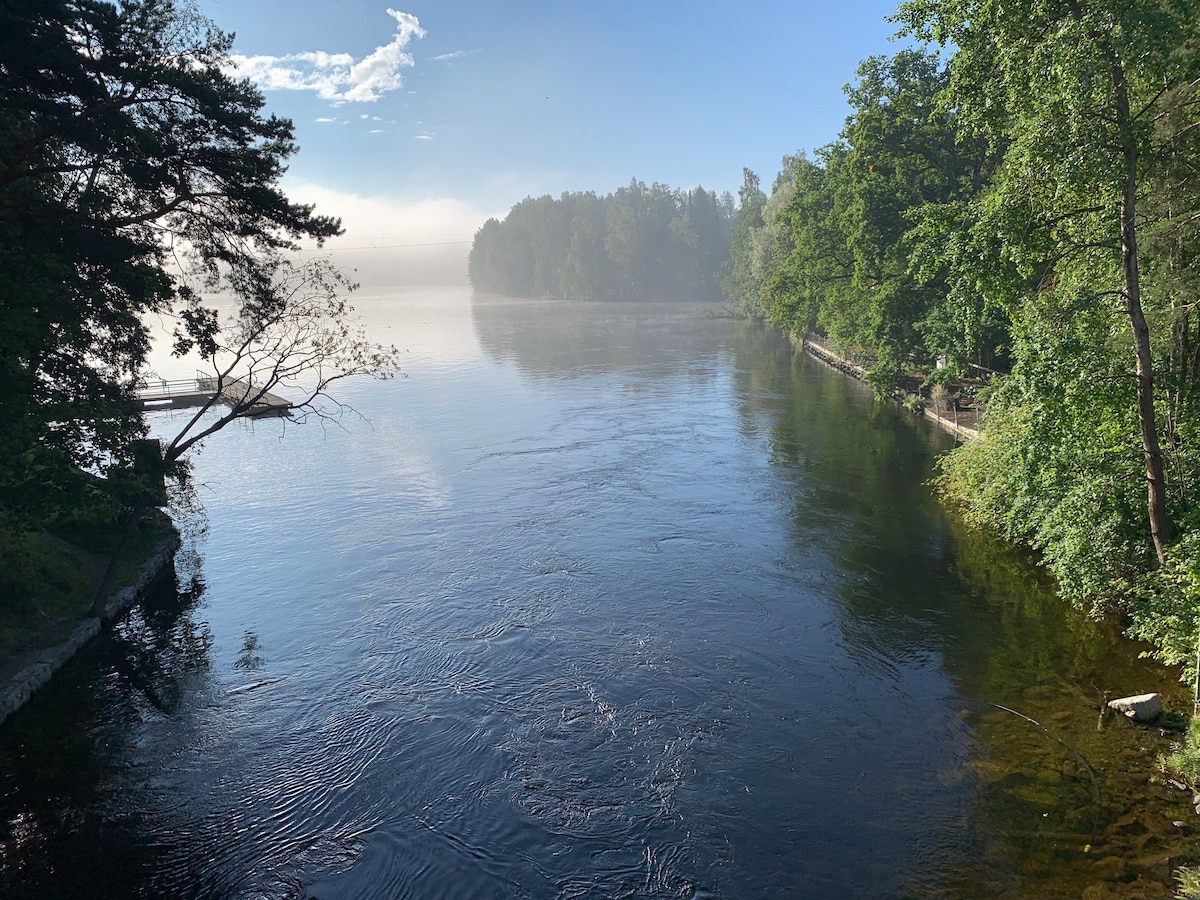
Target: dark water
pixel 599 601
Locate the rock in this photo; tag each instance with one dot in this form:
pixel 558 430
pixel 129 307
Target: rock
pixel 1110 868
pixel 1141 708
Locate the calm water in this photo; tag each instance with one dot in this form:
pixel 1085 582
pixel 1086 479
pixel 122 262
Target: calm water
pixel 599 601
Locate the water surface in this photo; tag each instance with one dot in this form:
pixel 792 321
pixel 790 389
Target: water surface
pixel 600 600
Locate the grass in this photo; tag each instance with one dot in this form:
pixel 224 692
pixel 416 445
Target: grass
pixel 1183 764
pixel 131 550
pixel 47 581
pixel 41 584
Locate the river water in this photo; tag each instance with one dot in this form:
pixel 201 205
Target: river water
pixel 600 600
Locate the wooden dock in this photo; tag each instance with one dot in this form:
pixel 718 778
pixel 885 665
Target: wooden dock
pixel 204 389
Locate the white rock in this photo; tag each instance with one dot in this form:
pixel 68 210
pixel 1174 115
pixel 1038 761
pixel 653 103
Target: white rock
pixel 1142 708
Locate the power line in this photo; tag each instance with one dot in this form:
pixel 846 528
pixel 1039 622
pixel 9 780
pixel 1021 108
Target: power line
pixel 333 249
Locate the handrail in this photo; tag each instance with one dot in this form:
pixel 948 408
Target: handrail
pixel 163 387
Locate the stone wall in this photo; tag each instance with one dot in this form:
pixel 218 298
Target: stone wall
pixel 21 686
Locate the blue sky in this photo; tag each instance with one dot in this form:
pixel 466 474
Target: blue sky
pixel 418 121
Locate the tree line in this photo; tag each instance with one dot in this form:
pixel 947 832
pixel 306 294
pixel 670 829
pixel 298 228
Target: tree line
pixel 636 243
pixel 1020 189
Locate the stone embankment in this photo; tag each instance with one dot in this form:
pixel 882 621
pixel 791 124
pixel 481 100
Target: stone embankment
pixel 37 667
pixel 947 423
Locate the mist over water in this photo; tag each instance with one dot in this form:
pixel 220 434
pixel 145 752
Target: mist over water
pixel 599 600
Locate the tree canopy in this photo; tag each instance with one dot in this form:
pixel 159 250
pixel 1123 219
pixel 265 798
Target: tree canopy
pixel 833 249
pixel 1070 92
pixel 129 155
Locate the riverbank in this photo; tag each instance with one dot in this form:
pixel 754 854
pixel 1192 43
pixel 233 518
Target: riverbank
pixel 34 653
pixel 963 423
pixel 1143 850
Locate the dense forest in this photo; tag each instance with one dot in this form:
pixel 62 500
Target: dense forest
pixel 637 243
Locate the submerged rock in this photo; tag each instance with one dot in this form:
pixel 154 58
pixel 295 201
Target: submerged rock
pixel 1141 708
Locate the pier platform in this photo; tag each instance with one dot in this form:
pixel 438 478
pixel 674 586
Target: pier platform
pixel 205 389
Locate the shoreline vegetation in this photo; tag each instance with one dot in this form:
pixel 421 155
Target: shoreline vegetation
pixel 944 408
pixel 140 178
pixel 53 608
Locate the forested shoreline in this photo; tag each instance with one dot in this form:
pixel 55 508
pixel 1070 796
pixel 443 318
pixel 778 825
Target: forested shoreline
pixel 1019 189
pixel 1021 192
pixel 139 180
pixel 637 243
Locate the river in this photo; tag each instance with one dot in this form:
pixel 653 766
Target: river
pixel 599 600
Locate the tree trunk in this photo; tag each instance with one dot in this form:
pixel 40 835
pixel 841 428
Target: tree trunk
pixel 1156 481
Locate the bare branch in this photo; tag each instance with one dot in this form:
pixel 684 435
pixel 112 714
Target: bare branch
pixel 292 331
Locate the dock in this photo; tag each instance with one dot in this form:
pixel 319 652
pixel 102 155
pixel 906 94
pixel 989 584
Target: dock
pixel 204 389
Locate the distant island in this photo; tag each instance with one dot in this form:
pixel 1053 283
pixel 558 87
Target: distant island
pixel 638 243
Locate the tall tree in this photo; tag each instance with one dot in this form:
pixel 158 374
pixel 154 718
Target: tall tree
pixel 125 145
pixel 837 243
pixel 798 286
pixel 738 277
pixel 1070 91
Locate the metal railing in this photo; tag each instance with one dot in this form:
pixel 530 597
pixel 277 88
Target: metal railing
pixel 165 389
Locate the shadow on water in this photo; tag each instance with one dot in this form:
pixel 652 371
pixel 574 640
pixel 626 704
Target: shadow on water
pixel 60 834
pixel 1066 798
pixel 557 339
pixel 982 665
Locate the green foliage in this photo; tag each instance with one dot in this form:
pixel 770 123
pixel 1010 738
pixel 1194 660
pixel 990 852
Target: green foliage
pixel 850 266
pixel 124 144
pixel 1085 238
pixel 886 373
pixel 741 278
pixel 1165 611
pixel 796 287
pixel 1058 465
pixel 1189 882
pixel 40 582
pixel 637 243
pixel 1183 763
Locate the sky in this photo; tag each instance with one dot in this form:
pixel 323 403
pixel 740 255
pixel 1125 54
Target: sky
pixel 419 121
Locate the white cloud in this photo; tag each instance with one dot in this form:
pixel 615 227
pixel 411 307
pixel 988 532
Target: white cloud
pixel 457 54
pixel 338 76
pixel 324 119
pixel 423 137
